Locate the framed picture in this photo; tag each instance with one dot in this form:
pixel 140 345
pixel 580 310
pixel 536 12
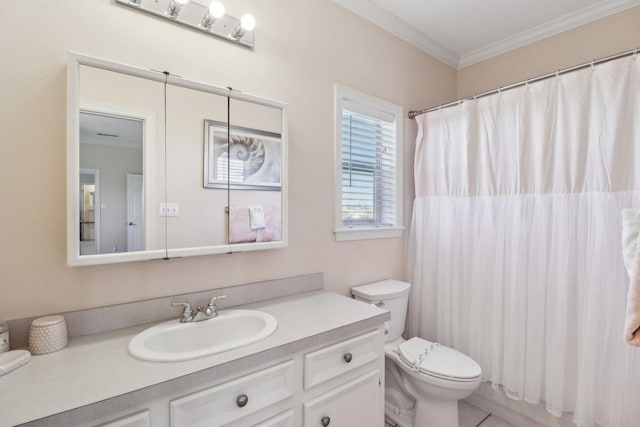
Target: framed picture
pixel 241 158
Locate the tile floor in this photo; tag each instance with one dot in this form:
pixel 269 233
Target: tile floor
pixel 472 416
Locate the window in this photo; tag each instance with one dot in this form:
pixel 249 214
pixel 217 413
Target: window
pixel 368 166
pixel 235 173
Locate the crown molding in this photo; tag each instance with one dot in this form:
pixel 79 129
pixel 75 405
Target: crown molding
pixel 552 28
pixel 399 28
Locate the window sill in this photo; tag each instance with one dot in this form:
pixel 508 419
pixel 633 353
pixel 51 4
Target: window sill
pixel 362 233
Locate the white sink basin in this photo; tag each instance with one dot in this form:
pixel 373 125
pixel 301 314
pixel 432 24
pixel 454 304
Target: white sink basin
pixel 173 341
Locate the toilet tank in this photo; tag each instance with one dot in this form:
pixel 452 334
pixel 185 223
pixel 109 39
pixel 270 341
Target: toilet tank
pixel 392 295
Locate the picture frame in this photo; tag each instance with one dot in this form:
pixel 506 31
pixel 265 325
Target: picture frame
pixel 252 161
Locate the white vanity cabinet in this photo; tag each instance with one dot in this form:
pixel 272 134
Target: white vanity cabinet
pixel 265 397
pixel 350 373
pixel 339 384
pixel 315 369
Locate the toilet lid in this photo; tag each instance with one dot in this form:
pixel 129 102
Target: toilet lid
pixel 438 360
pixel 385 289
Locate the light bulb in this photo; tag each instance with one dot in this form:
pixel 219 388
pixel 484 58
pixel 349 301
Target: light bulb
pixel 216 9
pixel 247 22
pixel 174 8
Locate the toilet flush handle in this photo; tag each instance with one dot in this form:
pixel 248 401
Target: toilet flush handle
pixel 379 304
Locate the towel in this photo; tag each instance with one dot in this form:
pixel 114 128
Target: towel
pixel 273 223
pixel 631 255
pixel 256 217
pixel 241 224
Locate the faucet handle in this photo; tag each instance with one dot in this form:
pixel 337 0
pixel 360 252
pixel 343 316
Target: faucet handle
pixel 211 307
pixel 217 298
pixel 187 313
pixel 187 306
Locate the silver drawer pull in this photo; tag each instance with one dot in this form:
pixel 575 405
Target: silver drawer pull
pixel 325 421
pixel 242 400
pixel 347 357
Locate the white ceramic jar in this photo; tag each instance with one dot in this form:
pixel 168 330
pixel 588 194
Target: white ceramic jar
pixel 4 336
pixel 48 334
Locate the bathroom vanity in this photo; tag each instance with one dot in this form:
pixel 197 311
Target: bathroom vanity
pixel 323 366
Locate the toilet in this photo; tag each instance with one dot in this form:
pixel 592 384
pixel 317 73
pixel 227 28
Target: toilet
pixel 423 380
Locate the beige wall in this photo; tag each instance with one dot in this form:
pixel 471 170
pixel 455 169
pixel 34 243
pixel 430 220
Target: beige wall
pixel 607 36
pixel 302 49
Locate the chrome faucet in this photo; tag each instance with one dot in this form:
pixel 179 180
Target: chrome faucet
pixel 209 312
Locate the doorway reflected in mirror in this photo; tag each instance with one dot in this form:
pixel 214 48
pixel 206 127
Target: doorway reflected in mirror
pixel 111 183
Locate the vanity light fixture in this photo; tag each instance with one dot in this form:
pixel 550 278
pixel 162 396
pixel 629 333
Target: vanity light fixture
pixel 174 8
pixel 202 15
pixel 216 11
pixel 247 23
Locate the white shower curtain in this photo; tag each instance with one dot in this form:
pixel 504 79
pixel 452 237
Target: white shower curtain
pixel 515 253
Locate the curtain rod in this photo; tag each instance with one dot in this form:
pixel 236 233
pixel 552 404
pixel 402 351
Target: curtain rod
pixel 413 114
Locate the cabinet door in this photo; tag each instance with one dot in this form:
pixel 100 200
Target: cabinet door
pixel 355 403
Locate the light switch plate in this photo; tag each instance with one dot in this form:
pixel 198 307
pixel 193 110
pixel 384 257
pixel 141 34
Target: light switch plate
pixel 169 209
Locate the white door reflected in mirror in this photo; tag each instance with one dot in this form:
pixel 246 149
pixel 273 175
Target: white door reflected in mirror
pixel 135 218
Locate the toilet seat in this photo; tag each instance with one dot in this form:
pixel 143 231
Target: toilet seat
pixel 438 361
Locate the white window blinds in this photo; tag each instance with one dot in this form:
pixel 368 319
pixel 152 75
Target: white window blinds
pixel 368 151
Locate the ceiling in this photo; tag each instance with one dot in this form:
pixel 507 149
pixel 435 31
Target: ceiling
pixel 464 32
pixel 113 131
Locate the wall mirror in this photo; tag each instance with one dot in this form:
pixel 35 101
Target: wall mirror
pixel 160 166
pixel 254 161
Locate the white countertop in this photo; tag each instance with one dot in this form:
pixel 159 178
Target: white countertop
pixel 98 367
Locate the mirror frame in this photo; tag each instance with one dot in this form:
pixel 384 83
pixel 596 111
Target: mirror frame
pixel 74 106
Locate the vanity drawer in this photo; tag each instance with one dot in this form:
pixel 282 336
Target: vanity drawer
pixel 141 419
pixel 337 359
pixel 284 419
pixel 228 402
